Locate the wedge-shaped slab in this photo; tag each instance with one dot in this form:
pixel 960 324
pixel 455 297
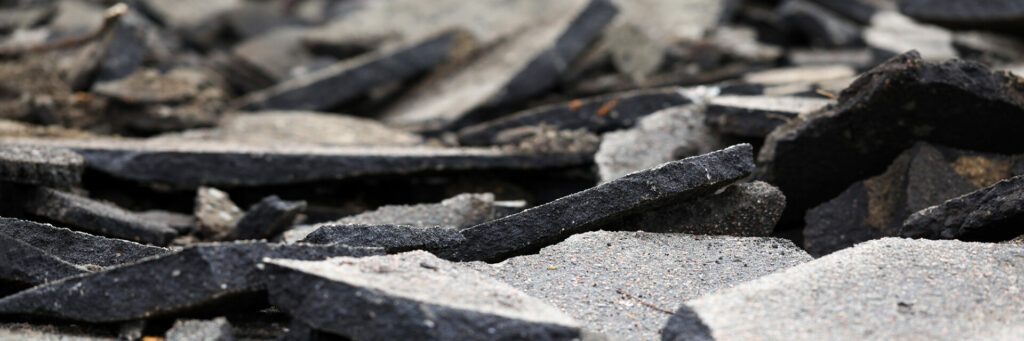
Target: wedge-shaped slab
pixel 25 265
pixel 393 238
pixel 515 70
pixel 190 164
pixel 411 296
pixel 757 116
pixel 593 276
pixel 268 217
pixel 593 208
pixel 215 276
pixel 348 79
pixel 77 247
pixel 597 114
pixel 956 103
pixel 886 289
pixel 97 217
pixel 747 209
pixel 993 213
pixel 40 165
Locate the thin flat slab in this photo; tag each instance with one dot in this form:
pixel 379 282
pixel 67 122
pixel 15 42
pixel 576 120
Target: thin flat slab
pixel 40 165
pixel 306 127
pixel 26 265
pixel 97 217
pixel 887 289
pixel 515 70
pixel 393 238
pixel 757 116
pixel 190 164
pixel 410 296
pixel 348 79
pixel 622 283
pixel 77 247
pixel 957 104
pixel 215 276
pixel 596 114
pixel 993 213
pixel 591 209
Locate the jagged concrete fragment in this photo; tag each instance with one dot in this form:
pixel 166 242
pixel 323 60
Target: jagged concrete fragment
pixel 593 276
pixel 97 217
pixel 756 116
pixel 190 164
pixel 993 213
pixel 77 247
pixel 593 208
pixel 216 213
pixel 459 212
pixel 418 297
pixel 894 33
pixel 889 289
pixel 393 238
pixel 888 109
pixel 822 26
pixel 597 114
pixel 25 265
pixel 747 209
pixel 267 218
pixel 40 166
pixel 993 14
pixel 346 80
pixel 666 135
pixel 217 329
pixel 876 207
pixel 216 276
pixel 515 70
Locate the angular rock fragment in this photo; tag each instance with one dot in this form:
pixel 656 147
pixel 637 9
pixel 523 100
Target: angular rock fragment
pixel 216 213
pixel 40 166
pixel 128 46
pixel 876 207
pixel 886 289
pixel 217 329
pixel 593 276
pixel 597 114
pixel 998 14
pixel 190 164
pixel 152 100
pixel 301 127
pixel 756 116
pixel 393 238
pixel 97 217
pixel 593 208
pixel 345 80
pixel 459 212
pixel 413 295
pixel 515 70
pixel 215 276
pixel 77 247
pixel 993 213
pixel 888 109
pixel 747 209
pixel 25 265
pixel 823 27
pixel 666 135
pixel 267 218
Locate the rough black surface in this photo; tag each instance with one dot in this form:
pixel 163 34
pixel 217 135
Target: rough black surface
pixel 393 238
pixel 993 213
pixel 417 297
pixel 268 217
pixel 348 79
pixel 97 217
pixel 219 277
pixel 40 166
pixel 593 208
pixel 956 103
pixel 189 165
pixel 217 329
pixel 596 114
pixel 685 325
pixel 27 265
pixel 747 209
pixel 77 247
pixel 756 116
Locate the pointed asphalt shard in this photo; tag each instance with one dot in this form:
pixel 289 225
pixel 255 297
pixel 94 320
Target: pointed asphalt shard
pixel 77 247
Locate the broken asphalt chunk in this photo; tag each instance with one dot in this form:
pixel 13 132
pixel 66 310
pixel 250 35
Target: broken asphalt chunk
pixel 97 217
pixel 346 80
pixel 747 209
pixel 956 103
pixel 40 166
pixel 412 295
pixel 593 208
pixel 597 114
pixel 25 265
pixel 221 276
pixel 997 14
pixel 864 290
pixel 77 247
pixel 217 329
pixel 591 275
pixel 993 213
pixel 757 116
pixel 268 217
pixel 393 238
